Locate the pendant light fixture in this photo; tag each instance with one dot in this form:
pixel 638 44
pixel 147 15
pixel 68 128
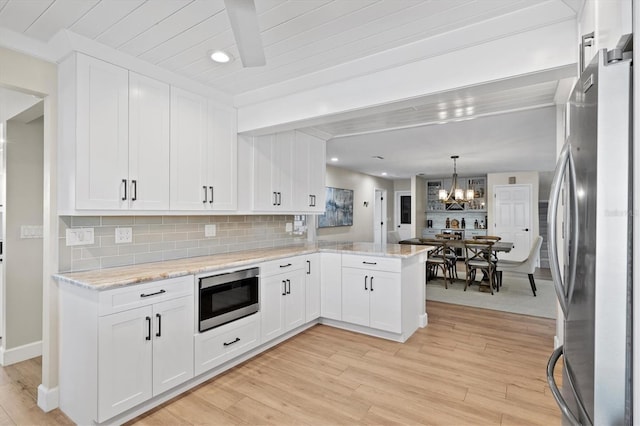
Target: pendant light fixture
pixel 456 194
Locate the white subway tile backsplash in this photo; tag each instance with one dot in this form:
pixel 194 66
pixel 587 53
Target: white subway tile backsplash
pixel 157 238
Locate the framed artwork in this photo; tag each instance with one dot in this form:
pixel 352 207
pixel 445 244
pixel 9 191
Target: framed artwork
pixel 338 208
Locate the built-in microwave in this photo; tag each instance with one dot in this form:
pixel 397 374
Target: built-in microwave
pixel 223 298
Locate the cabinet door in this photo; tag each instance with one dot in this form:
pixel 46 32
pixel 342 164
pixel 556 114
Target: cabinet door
pixel 312 290
pixel 222 153
pixel 355 296
pixel 317 172
pixel 272 299
pixel 124 361
pixel 282 169
pixel 148 143
pixel 264 193
pixel 331 286
pixel 172 343
pixel 189 189
pixel 295 300
pixel 385 302
pixel 102 115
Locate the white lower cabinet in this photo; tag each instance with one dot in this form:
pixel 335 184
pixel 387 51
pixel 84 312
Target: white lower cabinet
pixel 223 343
pixel 371 297
pixel 312 290
pixel 331 288
pixel 282 296
pixel 121 347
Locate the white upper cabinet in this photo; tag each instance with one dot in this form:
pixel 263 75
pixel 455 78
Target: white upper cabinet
pixel 100 116
pixel 309 167
pixel 129 142
pixel 203 154
pixel 282 172
pixel 148 143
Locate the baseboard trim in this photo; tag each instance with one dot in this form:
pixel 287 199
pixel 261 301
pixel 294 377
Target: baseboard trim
pixel 21 353
pixel 48 398
pixel 424 320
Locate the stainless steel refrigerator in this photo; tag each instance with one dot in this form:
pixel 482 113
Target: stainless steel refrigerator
pixel 593 183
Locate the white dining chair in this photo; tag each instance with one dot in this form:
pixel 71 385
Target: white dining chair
pixel 526 266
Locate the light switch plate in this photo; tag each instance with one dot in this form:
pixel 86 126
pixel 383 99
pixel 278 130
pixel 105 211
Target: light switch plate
pixel 124 235
pixel 79 236
pixel 210 230
pixel 30 231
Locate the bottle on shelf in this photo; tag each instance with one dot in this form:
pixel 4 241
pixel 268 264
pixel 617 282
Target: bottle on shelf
pixel 447 224
pixel 463 223
pixel 475 224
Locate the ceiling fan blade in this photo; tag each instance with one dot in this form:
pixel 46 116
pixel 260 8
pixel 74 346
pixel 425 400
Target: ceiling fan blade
pixel 244 23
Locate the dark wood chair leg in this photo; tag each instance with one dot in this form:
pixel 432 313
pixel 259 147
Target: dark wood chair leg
pixel 533 284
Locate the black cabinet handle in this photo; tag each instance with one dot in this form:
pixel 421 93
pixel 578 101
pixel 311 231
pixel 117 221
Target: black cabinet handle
pixel 275 198
pixel 231 343
pixel 285 266
pixel 148 329
pixel 284 287
pixel 134 190
pixel 204 201
pixel 289 283
pixel 159 333
pixel 152 294
pixel 279 198
pixel 211 189
pixel 308 267
pixel 371 283
pixel 370 263
pixel 124 197
pixel 365 282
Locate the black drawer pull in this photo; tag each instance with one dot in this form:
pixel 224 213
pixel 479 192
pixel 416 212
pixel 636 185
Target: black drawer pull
pixel 148 329
pixel 370 263
pixel 231 343
pixel 285 266
pixel 153 294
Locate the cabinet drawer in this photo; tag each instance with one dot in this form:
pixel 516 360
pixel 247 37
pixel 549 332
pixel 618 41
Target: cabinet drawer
pixel 129 297
pixel 372 263
pixel 223 343
pixel 282 265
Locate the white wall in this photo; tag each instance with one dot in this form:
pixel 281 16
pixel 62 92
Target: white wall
pixel 23 257
pixel 419 206
pixel 532 178
pixel 363 187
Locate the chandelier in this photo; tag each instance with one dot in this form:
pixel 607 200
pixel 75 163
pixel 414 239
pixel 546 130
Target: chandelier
pixel 456 194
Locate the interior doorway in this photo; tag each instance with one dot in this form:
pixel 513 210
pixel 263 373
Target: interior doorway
pixel 513 218
pixel 380 216
pixel 403 214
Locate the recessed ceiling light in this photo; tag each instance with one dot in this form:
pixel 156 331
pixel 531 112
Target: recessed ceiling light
pixel 334 159
pixel 458 112
pixel 442 115
pixel 220 57
pixel 384 173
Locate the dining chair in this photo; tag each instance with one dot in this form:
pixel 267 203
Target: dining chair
pixel 478 256
pixel 494 255
pixel 526 266
pixel 436 259
pixel 450 254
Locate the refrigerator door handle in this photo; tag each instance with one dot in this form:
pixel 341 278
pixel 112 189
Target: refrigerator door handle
pixel 554 197
pixel 554 387
pixel 575 229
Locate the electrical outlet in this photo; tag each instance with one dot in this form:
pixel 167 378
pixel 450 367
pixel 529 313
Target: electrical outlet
pixel 79 236
pixel 124 235
pixel 210 230
pixel 289 227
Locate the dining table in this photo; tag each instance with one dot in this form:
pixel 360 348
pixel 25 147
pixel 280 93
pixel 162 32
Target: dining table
pixel 498 246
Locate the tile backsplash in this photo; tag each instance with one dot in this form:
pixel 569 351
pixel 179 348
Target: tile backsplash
pixel 157 238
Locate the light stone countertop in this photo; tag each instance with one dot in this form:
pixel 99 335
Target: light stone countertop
pixel 105 279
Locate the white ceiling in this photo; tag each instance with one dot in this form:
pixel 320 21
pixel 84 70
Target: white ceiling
pixel 304 38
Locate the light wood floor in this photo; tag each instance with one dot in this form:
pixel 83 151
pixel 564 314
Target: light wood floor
pixel 469 366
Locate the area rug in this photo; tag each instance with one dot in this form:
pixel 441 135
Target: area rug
pixel 515 295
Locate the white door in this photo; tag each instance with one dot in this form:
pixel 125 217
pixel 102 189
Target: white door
pixel 295 300
pixel 124 361
pixel 384 301
pixel 512 219
pixel 264 196
pixel 272 294
pixel 355 296
pixel 282 171
pixel 148 143
pixel 403 213
pixel 172 343
pixel 102 127
pixel 380 217
pixel 312 291
pixel 188 171
pixel 222 154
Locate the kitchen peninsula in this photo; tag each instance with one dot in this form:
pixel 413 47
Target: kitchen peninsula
pixel 132 337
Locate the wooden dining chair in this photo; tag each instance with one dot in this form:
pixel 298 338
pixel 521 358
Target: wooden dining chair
pixel 478 256
pixel 450 254
pixel 436 259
